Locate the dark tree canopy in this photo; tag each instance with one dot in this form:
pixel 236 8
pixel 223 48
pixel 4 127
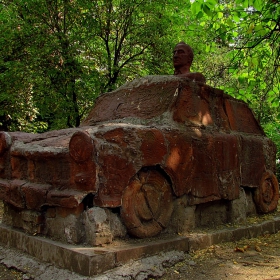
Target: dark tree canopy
pixel 57 56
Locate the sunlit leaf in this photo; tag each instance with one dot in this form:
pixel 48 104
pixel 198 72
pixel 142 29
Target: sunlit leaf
pixel 196 7
pixel 251 28
pixel 257 4
pixel 220 15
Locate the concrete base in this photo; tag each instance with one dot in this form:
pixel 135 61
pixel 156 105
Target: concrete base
pixel 98 226
pixel 91 261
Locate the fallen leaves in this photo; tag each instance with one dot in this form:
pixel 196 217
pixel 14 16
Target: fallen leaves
pixel 257 248
pixel 246 247
pixel 242 249
pixel 256 258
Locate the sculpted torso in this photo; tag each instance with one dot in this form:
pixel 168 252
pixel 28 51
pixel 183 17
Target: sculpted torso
pixel 182 60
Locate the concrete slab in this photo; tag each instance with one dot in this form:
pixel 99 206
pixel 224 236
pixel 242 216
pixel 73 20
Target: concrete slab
pixel 90 261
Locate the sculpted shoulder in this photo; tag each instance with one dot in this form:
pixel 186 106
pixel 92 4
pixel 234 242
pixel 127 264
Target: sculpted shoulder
pixel 194 76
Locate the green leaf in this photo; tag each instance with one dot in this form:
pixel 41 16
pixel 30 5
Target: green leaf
pixel 199 15
pixel 206 9
pixel 212 3
pixel 207 48
pixel 192 27
pixel 242 80
pixel 263 86
pixel 251 28
pixel 275 103
pixel 246 3
pixel 236 16
pixel 202 23
pixel 258 27
pixel 220 15
pixel 230 22
pixel 257 4
pixel 196 7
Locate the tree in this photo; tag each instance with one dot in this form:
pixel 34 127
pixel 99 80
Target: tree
pixel 247 34
pixel 62 54
pixel 57 56
pixel 42 47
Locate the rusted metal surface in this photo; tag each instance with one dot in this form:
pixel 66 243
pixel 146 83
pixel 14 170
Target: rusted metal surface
pixel 153 139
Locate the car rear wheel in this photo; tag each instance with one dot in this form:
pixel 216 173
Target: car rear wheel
pixel 266 196
pixel 147 203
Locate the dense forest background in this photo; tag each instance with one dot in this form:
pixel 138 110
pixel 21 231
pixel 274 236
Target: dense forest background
pixel 57 56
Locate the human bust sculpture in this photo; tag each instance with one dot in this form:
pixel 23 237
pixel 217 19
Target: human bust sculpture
pixel 182 61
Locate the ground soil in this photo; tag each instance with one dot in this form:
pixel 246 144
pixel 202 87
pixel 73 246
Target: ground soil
pixel 10 274
pixel 257 258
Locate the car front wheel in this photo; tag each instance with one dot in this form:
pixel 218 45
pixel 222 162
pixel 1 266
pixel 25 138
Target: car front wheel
pixel 147 203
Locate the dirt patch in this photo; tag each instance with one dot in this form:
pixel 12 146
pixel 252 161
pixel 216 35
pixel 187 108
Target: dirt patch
pixel 257 258
pixel 11 274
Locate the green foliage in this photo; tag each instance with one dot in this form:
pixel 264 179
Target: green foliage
pixel 273 131
pixel 57 56
pixel 40 62
pixel 242 43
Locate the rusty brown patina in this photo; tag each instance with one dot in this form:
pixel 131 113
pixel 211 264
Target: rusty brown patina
pixel 142 146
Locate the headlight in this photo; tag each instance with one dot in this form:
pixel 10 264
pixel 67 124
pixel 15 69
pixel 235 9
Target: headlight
pixel 81 146
pixel 5 141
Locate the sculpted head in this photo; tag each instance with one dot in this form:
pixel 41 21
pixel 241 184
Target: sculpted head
pixel 182 58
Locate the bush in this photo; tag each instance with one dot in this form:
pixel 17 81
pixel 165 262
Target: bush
pixel 272 130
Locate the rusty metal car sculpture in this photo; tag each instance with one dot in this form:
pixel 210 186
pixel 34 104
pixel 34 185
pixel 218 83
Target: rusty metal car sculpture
pixel 142 145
